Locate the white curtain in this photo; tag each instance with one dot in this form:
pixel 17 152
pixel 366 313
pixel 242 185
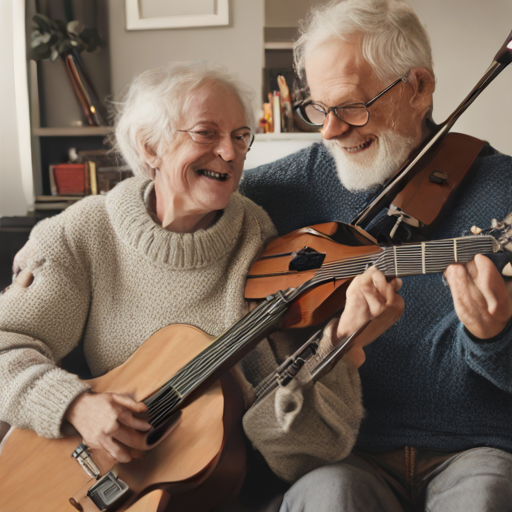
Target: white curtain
pixel 16 178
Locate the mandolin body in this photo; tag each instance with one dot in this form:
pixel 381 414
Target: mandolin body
pixel 271 272
pixel 40 474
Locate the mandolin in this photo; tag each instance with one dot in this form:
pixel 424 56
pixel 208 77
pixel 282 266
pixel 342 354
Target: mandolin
pixel 321 260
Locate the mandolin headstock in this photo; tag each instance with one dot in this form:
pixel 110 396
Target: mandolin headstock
pixel 502 232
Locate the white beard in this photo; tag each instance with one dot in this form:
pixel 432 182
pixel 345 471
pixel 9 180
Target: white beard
pixel 373 166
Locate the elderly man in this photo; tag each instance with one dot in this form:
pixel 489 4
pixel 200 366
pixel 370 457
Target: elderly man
pixel 437 387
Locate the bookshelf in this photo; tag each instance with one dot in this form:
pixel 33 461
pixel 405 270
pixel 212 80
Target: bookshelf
pixel 50 144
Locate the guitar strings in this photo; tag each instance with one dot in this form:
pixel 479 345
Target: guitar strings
pixel 195 375
pixel 179 381
pixel 200 367
pixel 172 382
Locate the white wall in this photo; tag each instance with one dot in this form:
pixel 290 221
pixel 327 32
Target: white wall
pixel 15 159
pixel 285 13
pixel 238 46
pixel 465 37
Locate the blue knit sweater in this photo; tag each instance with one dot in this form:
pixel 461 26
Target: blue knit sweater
pixel 426 382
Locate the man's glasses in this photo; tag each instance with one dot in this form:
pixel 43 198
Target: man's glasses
pixel 242 139
pixel 355 114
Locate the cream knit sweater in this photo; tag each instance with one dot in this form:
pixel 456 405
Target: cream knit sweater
pixel 107 274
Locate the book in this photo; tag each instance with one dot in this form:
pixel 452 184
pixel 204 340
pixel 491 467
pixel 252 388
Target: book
pixel 109 177
pixel 276 111
pixel 87 179
pixel 53 185
pixel 92 175
pixel 67 179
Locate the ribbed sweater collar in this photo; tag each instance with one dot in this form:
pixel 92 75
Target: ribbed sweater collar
pixel 135 227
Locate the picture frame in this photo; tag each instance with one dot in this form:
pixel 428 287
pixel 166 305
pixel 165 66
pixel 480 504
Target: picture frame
pixel 136 21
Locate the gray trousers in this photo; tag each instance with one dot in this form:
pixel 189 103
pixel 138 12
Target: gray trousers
pixel 477 480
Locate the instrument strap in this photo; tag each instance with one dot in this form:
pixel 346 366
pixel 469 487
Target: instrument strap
pixel 418 207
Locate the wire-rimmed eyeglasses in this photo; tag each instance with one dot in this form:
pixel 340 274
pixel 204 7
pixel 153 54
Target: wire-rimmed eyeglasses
pixel 355 114
pixel 242 139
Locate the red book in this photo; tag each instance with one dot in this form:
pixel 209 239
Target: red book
pixel 69 179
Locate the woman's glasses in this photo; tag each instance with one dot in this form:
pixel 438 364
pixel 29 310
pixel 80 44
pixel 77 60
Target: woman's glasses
pixel 242 139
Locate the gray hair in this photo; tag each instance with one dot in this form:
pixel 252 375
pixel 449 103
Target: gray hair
pixel 157 100
pixel 394 40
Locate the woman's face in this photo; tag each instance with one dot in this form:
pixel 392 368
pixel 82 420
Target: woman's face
pixel 194 179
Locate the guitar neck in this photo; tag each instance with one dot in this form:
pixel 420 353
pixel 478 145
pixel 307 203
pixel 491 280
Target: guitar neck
pixel 223 353
pixel 434 256
pixel 410 259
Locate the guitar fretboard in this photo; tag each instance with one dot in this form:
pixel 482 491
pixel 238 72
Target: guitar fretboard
pixel 434 256
pixel 411 259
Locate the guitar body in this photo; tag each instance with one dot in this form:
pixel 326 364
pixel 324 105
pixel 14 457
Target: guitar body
pixel 39 474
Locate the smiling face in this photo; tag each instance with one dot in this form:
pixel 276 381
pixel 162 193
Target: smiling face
pixel 337 74
pixel 194 181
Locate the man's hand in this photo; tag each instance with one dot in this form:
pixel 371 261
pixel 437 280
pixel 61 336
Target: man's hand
pixel 482 299
pixel 107 421
pixel 370 298
pixel 22 257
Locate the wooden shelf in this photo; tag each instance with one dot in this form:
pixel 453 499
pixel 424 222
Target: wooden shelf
pixel 278 45
pixel 72 131
pixel 313 136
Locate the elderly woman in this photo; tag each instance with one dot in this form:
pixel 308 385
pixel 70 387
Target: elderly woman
pixel 171 245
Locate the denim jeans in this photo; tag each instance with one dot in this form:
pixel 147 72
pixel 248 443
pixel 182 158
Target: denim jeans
pixel 411 480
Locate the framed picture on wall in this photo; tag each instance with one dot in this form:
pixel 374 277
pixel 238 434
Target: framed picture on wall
pixel 159 14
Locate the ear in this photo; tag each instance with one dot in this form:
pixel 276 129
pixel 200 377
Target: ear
pixel 423 84
pixel 149 153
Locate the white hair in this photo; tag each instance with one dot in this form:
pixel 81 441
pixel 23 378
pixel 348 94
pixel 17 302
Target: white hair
pixel 394 40
pixel 156 101
pixel 374 166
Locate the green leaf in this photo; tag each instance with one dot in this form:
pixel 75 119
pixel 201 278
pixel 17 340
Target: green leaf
pixel 61 27
pixel 42 52
pixel 44 23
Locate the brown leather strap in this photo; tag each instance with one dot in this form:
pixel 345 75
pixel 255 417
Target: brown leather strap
pixel 424 197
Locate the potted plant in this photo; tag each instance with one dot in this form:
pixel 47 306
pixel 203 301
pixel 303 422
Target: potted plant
pixel 54 38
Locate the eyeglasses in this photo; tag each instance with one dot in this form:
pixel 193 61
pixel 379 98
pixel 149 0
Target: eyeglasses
pixel 355 114
pixel 242 139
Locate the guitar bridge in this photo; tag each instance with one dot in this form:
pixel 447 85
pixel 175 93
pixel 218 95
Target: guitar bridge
pixel 107 491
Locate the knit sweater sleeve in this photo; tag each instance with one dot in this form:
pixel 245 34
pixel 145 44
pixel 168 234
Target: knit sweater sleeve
pixel 38 326
pixel 491 358
pixel 302 426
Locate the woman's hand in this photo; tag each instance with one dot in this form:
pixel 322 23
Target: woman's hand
pixel 370 298
pixel 107 421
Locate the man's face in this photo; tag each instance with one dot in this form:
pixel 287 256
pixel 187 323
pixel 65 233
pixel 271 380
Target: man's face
pixel 365 156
